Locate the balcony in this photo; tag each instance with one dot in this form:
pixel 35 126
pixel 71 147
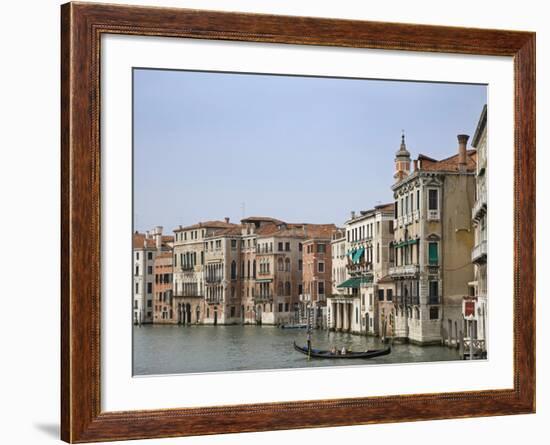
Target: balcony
pixel 263 297
pixel 434 299
pixel 433 215
pixel 407 270
pixel 214 300
pixel 480 206
pixel 479 252
pixel 398 299
pixel 188 294
pixel 412 299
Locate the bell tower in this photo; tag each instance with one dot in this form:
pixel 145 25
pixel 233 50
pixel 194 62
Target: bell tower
pixel 402 161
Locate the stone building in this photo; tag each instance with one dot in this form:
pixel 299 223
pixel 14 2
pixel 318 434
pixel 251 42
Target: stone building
pixel 475 305
pixel 222 276
pixel 145 248
pixel 316 279
pixel 279 270
pixel 254 297
pixel 338 295
pixel 368 237
pixel 432 244
pixel 163 310
pixel 189 262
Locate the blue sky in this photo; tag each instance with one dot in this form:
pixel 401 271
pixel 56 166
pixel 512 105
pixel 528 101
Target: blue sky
pixel 301 149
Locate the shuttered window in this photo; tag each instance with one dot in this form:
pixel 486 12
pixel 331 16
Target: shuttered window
pixel 433 258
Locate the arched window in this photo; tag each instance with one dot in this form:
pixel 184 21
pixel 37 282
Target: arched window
pixel 254 269
pixel 287 264
pixel 287 288
pixel 280 265
pixel 248 274
pixel 233 270
pixel 280 288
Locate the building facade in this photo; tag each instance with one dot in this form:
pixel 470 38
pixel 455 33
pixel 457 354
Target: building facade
pixel 163 312
pixel 145 249
pixel 222 277
pixel 189 268
pixel 316 280
pixel 475 305
pixel 432 244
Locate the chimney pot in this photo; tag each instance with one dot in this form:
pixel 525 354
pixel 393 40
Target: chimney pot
pixel 352 214
pixel 462 141
pixel 226 219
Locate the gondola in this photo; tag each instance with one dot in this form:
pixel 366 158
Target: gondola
pixel 294 326
pixel 320 353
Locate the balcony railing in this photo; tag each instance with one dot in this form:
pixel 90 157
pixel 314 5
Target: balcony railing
pixel 263 297
pixel 434 299
pixel 413 299
pixel 213 300
pixel 433 215
pixel 480 206
pixel 404 270
pixel 479 252
pixel 189 294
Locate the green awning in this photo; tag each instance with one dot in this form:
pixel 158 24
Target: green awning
pixel 358 254
pixel 406 243
pixel 355 283
pixel 264 280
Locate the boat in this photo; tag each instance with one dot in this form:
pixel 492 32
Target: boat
pixel 321 353
pixel 294 326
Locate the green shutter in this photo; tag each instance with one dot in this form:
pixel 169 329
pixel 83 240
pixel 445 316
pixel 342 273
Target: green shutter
pixel 432 253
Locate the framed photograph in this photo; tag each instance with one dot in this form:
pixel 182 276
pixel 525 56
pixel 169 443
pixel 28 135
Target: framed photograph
pixel 275 222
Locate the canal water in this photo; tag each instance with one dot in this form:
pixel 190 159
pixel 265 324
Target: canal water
pixel 172 349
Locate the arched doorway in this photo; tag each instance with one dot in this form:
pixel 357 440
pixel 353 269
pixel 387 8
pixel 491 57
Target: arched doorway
pixel 215 316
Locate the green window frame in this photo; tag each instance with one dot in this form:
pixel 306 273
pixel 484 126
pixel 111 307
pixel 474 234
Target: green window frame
pixel 433 254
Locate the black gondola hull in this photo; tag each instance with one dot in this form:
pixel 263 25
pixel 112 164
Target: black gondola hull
pixel 320 353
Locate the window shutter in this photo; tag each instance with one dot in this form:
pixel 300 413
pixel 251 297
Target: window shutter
pixel 432 253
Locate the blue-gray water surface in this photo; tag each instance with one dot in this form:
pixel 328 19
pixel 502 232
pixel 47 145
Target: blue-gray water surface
pixel 172 349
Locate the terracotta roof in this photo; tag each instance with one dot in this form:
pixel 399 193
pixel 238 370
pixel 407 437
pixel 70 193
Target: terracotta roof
pixel 302 231
pixel 208 225
pixel 138 240
pixel 448 164
pixel 385 207
pixel 236 230
pixel 267 229
pixel 261 218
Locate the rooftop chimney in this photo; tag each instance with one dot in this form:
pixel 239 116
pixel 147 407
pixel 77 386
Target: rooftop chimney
pixel 226 219
pixel 158 237
pixel 462 141
pixel 352 214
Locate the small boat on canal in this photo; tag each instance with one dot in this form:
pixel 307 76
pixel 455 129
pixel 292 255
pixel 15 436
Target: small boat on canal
pixel 321 353
pixel 294 326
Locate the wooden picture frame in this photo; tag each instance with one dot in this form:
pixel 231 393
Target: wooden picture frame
pixel 82 26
